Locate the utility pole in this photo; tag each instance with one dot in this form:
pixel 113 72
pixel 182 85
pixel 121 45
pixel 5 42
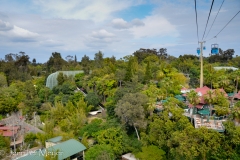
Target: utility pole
pixel 201 60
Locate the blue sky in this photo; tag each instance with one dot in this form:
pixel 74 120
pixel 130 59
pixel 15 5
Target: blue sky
pixel 78 27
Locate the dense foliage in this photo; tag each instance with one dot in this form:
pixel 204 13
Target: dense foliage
pixel 128 89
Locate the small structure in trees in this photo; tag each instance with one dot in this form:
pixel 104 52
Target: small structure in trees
pixel 52 78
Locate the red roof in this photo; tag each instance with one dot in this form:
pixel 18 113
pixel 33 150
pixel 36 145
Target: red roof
pixel 8 134
pixel 237 95
pixel 9 128
pixel 202 91
pixel 199 106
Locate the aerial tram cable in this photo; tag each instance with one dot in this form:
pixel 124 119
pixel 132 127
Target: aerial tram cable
pixel 196 19
pixel 227 23
pixel 208 19
pixel 215 18
pixel 223 27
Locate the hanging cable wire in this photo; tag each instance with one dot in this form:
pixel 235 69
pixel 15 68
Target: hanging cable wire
pixel 208 19
pixel 227 23
pixel 215 18
pixel 224 26
pixel 196 19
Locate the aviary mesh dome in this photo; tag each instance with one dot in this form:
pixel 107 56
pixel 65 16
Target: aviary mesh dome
pixel 52 78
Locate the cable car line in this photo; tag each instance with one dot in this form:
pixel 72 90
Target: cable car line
pixel 227 23
pixel 196 19
pixel 223 27
pixel 208 19
pixel 215 18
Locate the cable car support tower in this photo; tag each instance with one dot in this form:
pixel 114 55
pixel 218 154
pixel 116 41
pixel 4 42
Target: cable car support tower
pixel 201 60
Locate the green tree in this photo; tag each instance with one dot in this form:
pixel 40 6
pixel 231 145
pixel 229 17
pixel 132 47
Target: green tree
pixel 3 80
pixel 100 152
pixel 221 103
pixel 85 62
pixel 4 146
pixel 236 112
pixel 130 109
pixel 193 99
pixel 112 137
pixel 210 99
pixel 98 58
pixel 209 74
pixel 92 99
pixel 60 78
pixel 148 74
pixel 55 62
pixel 151 153
pixel 79 78
pixel 195 144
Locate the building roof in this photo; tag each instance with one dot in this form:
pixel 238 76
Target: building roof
pixel 8 133
pixel 204 112
pixel 64 150
pixel 68 148
pixel 55 139
pixel 9 128
pixel 52 78
pixel 237 96
pixel 129 156
pixel 202 91
pixel 226 68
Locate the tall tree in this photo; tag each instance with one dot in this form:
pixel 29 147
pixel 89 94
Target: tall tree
pixel 98 58
pixel 85 62
pixel 210 99
pixel 193 99
pixel 130 109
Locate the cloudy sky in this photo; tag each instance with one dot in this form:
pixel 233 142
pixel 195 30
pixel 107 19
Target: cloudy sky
pixel 116 27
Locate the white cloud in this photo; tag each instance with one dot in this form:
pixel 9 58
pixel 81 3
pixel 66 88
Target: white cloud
pixel 51 43
pixel 95 10
pixel 16 34
pixel 5 26
pixel 119 23
pixel 20 33
pixel 102 34
pixel 101 38
pixel 155 25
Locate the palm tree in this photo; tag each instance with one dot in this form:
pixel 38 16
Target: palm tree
pixel 223 81
pixel 209 98
pixel 236 112
pixel 209 74
pixel 193 98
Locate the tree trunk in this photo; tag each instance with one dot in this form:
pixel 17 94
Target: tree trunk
pixel 192 115
pixel 210 110
pixel 235 92
pixel 136 132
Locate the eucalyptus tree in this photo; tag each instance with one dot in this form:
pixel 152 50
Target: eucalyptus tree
pixel 130 109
